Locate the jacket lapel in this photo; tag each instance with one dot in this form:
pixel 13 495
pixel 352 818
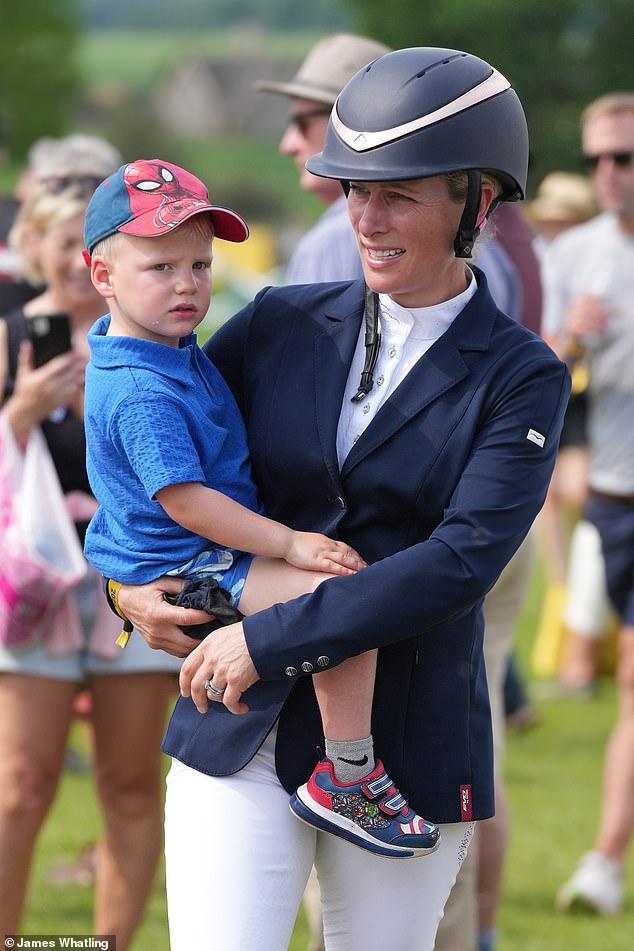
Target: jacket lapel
pixel 334 349
pixel 439 370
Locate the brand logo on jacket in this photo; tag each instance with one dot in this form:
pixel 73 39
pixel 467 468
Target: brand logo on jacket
pixel 536 437
pixel 465 804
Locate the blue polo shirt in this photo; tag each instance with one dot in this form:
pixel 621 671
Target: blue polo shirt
pixel 155 416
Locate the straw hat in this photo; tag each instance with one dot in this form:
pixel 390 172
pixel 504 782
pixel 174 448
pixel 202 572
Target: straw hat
pixel 327 68
pixel 563 197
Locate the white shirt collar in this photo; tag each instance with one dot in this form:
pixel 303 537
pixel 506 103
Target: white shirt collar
pixel 423 323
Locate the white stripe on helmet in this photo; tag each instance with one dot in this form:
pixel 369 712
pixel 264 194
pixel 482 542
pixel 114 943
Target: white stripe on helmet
pixel 361 141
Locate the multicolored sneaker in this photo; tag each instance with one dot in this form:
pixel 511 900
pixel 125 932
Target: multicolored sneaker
pixel 370 813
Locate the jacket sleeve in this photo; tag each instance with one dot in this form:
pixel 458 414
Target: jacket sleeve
pixel 225 349
pixel 414 592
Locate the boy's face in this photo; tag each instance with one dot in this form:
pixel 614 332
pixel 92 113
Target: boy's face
pixel 159 288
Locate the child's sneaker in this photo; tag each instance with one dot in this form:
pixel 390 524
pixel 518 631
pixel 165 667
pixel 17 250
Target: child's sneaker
pixel 370 813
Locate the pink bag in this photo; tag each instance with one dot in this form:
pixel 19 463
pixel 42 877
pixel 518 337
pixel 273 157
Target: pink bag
pixel 41 558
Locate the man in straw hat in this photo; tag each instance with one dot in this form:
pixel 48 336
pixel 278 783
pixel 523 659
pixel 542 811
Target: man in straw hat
pixel 328 252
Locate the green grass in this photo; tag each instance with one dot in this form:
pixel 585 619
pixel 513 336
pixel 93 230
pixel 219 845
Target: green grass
pixel 553 776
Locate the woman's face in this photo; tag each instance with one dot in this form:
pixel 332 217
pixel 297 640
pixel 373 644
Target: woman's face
pixel 405 232
pixel 65 273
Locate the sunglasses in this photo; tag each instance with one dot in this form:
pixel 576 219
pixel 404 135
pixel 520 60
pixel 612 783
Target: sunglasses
pixel 620 159
pixel 56 184
pixel 302 120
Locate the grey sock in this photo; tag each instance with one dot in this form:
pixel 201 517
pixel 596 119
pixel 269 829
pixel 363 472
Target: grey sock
pixel 352 759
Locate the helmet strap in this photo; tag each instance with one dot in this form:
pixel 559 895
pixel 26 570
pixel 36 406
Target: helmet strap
pixel 468 229
pixel 372 344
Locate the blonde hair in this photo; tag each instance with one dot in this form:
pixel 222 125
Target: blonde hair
pixel 106 247
pixel 40 212
pixel 612 104
pixel 200 225
pixel 457 183
pixel 458 187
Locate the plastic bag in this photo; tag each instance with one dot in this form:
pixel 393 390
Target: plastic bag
pixel 41 557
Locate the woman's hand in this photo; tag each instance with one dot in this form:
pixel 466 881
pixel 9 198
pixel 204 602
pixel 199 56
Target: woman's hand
pixel 315 552
pixel 40 390
pixel 157 621
pixel 224 659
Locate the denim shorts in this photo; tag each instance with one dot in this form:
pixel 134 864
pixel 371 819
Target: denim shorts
pixel 614 520
pixel 77 665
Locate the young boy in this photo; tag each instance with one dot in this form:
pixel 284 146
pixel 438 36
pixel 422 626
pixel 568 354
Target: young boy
pixel 168 462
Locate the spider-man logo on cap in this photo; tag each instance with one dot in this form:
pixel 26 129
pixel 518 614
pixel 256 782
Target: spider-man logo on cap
pixel 170 193
pixel 151 197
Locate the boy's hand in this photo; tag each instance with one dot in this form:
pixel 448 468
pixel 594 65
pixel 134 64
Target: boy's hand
pixel 316 552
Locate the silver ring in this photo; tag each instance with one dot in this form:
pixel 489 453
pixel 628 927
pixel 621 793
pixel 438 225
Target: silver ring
pixel 212 689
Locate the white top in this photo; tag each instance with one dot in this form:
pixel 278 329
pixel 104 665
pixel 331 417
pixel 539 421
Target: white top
pixel 598 257
pixel 406 335
pixel 329 251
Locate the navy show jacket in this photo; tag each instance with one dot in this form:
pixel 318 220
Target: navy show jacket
pixel 437 495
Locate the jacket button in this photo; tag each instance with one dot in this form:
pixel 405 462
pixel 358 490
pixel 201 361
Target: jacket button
pixel 323 661
pixel 307 667
pixel 291 671
pixel 340 502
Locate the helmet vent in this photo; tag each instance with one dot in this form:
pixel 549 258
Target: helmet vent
pixel 442 62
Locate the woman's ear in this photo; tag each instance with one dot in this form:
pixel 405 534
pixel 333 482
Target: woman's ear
pixel 100 275
pixel 487 194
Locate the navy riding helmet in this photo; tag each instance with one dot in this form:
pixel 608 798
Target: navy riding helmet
pixel 424 111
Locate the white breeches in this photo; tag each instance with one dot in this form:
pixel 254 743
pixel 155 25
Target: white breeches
pixel 238 862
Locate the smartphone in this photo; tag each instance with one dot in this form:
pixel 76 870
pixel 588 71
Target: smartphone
pixel 50 335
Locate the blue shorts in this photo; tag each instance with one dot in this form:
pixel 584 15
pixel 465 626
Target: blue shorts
pixel 226 565
pixel 77 665
pixel 614 521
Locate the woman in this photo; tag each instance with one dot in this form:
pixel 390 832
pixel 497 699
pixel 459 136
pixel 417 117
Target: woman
pixel 429 448
pixel 38 684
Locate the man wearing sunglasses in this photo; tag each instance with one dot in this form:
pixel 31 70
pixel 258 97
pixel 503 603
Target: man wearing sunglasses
pixel 328 252
pixel 590 306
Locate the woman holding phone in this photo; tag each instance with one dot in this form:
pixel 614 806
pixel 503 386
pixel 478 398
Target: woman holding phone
pixel 43 387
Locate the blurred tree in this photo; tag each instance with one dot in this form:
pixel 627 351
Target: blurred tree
pixel 558 55
pixel 38 75
pixel 205 14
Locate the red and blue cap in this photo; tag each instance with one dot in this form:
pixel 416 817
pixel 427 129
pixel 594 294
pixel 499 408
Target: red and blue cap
pixel 150 197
